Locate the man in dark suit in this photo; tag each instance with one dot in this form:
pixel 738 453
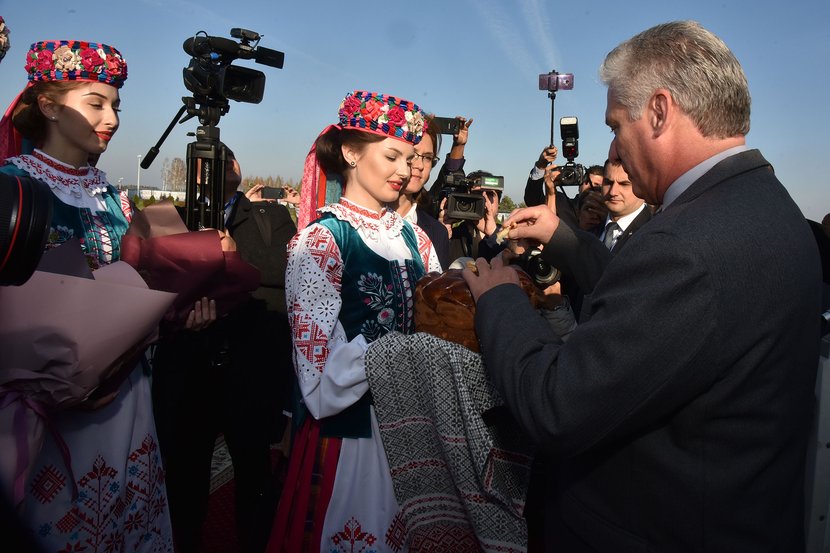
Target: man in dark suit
pixel 626 212
pixel 232 378
pixel 679 413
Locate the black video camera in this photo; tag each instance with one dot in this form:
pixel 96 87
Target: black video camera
pixel 571 174
pixel 211 75
pixel 462 201
pixel 542 273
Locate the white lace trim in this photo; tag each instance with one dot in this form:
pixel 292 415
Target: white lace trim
pixel 76 187
pixel 369 222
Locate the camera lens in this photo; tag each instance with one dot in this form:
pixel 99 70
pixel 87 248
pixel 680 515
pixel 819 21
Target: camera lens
pixel 25 217
pixel 543 273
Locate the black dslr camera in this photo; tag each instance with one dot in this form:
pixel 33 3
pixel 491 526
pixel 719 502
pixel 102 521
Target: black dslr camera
pixel 541 272
pixel 463 202
pixel 572 174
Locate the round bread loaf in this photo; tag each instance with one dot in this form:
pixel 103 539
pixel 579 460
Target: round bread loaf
pixel 444 306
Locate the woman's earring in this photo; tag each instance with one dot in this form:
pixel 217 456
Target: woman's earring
pixel 352 163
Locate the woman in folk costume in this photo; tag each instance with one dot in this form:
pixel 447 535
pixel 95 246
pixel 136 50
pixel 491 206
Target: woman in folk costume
pixel 350 279
pixel 97 483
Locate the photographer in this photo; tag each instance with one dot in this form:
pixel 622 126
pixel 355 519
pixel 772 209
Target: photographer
pixel 541 186
pixel 232 378
pixel 468 238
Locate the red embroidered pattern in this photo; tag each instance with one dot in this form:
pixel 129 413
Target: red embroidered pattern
pixel 46 485
pixel 60 166
pixel 309 339
pixel 96 521
pixel 323 249
pixel 396 534
pixel 352 538
pixel 58 175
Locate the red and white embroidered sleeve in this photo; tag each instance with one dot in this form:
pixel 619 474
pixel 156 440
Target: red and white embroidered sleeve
pixel 313 281
pixel 427 251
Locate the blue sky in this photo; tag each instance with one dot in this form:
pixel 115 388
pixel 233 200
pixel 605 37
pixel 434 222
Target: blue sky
pixel 478 58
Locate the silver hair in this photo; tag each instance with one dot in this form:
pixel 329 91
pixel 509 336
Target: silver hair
pixel 695 66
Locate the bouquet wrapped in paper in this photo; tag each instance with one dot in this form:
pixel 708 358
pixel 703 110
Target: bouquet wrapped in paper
pixel 66 340
pixel 191 264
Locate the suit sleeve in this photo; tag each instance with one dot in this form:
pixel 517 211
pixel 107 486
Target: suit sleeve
pixel 534 191
pixel 577 253
pixel 619 373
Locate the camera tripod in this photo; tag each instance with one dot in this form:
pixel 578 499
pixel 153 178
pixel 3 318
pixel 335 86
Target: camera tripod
pixel 205 161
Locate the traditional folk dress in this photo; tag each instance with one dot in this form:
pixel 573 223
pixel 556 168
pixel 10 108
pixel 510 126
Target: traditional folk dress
pixel 114 460
pixel 350 279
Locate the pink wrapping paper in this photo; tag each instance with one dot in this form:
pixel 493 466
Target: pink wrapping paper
pixel 61 338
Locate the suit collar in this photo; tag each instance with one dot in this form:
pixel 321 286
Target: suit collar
pixel 733 165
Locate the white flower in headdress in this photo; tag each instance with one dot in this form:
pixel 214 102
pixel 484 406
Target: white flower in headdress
pixel 66 59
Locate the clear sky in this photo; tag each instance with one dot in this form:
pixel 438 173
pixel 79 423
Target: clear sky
pixel 478 58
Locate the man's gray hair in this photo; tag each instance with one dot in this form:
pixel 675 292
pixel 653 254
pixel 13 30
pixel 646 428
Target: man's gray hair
pixel 695 66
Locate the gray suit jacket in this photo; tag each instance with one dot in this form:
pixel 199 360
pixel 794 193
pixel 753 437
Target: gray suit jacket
pixel 678 415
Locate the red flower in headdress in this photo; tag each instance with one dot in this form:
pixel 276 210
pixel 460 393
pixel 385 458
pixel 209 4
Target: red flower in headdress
pixel 371 111
pixel 115 66
pixel 91 59
pixel 44 61
pixel 351 105
pixel 397 116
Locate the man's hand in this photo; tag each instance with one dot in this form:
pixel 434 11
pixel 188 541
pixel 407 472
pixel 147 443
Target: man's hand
pixel 537 223
pixel 291 196
pixel 487 224
pixel 460 138
pixel 254 193
pixel 592 210
pixel 489 276
pixel 547 157
pixel 228 243
pixel 202 315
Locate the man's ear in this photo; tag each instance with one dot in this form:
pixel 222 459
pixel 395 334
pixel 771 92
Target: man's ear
pixel 660 110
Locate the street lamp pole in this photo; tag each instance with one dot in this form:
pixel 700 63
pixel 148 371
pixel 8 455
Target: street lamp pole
pixel 138 177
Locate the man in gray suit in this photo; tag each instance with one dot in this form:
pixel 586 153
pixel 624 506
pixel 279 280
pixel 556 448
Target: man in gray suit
pixel 678 415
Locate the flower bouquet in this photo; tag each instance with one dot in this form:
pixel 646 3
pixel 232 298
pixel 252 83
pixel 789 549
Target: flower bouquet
pixel 64 338
pixel 190 263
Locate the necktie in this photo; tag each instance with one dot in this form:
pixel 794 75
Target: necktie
pixel 610 234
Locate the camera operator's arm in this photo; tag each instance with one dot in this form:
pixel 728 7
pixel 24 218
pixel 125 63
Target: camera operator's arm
pixel 534 189
pixel 454 161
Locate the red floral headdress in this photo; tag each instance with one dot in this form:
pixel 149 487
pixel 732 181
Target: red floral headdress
pixel 382 114
pixel 75 60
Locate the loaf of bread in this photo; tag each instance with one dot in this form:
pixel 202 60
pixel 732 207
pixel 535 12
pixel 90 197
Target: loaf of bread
pixel 444 306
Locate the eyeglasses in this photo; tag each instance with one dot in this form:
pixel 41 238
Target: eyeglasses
pixel 426 158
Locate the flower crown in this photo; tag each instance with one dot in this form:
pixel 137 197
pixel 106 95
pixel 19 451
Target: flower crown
pixel 75 60
pixel 382 114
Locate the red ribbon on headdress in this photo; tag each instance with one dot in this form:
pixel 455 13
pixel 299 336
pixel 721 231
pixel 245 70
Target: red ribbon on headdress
pixel 11 141
pixel 313 186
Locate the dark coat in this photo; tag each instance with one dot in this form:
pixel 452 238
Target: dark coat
pixel 438 235
pixel 262 231
pixel 679 414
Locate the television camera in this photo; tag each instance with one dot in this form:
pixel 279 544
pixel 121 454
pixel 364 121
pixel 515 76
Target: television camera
pixel 462 201
pixel 213 80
